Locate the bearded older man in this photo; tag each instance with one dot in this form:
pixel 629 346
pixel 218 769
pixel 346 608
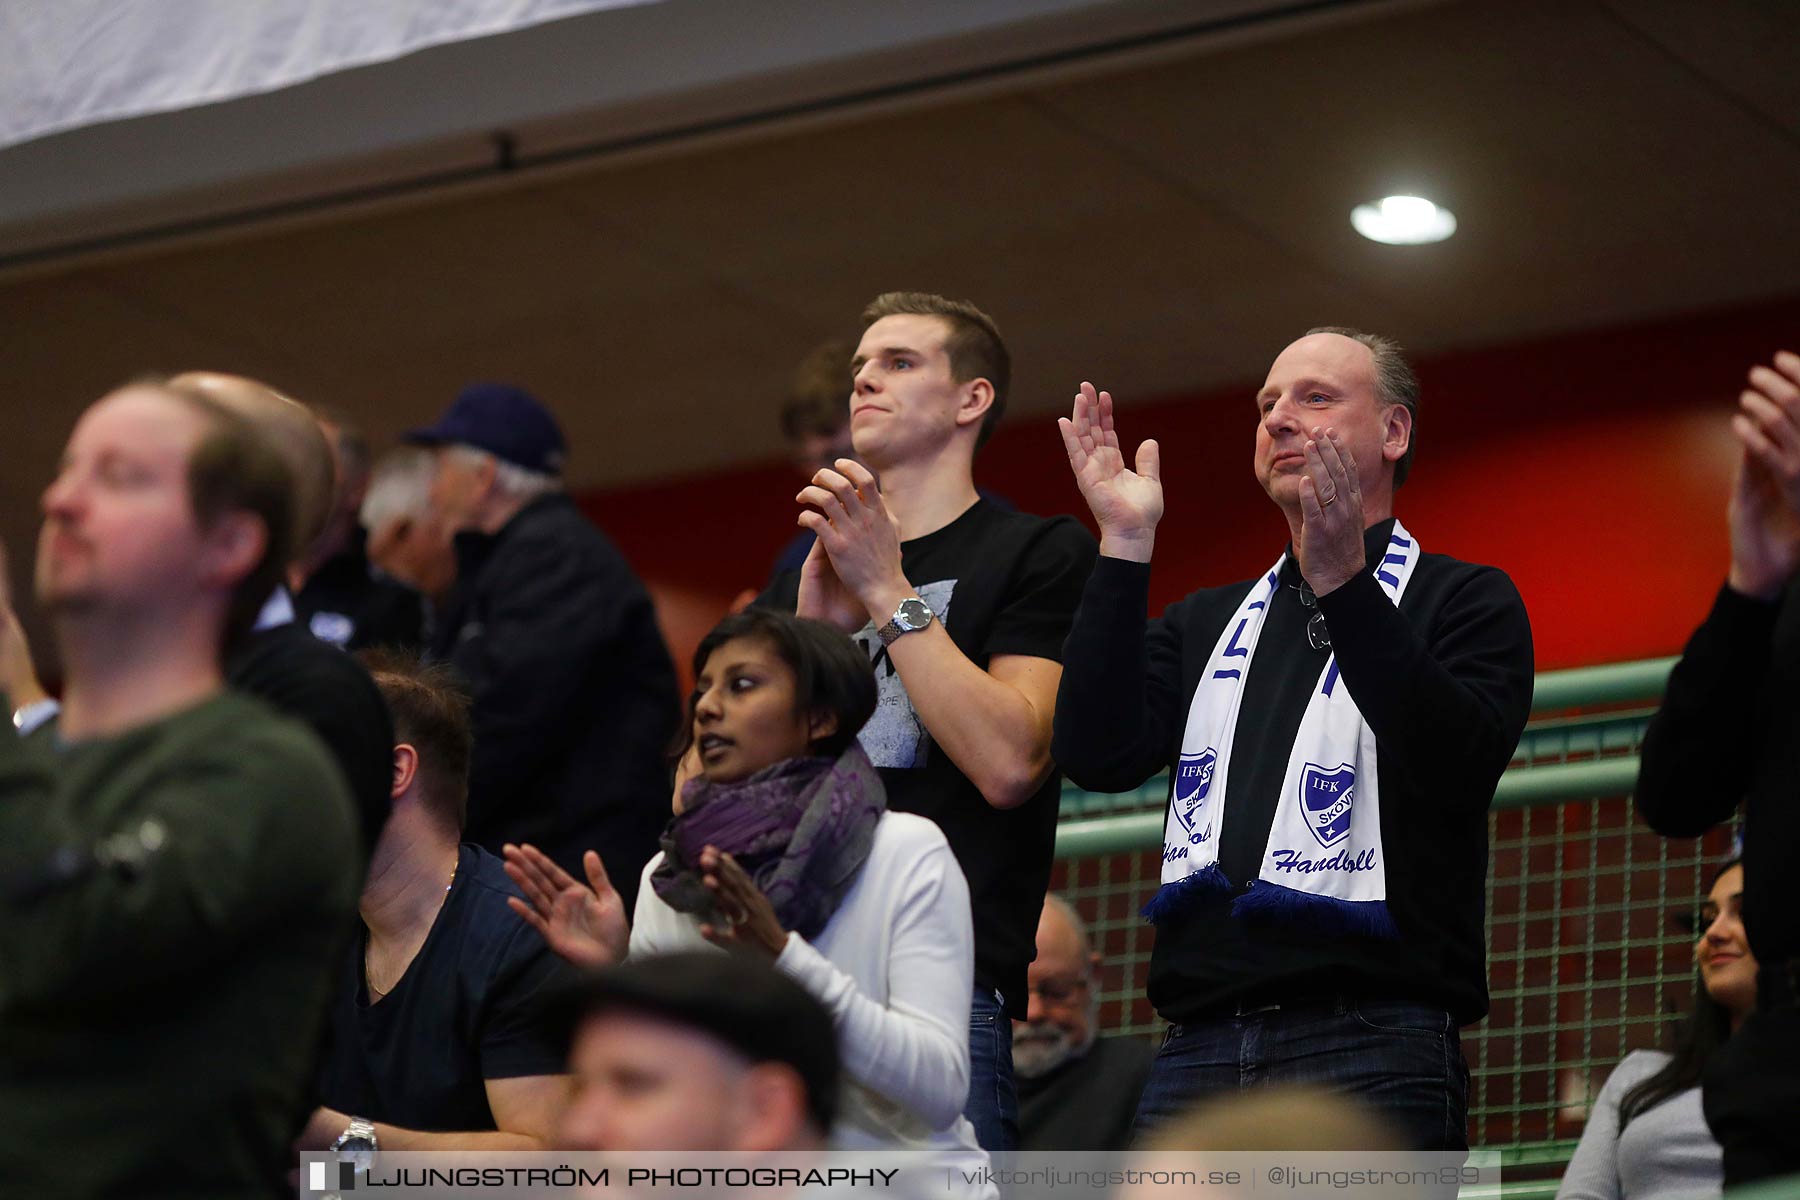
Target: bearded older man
pixel 1078 1088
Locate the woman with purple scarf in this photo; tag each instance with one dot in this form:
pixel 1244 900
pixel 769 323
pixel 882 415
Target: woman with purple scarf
pixel 782 845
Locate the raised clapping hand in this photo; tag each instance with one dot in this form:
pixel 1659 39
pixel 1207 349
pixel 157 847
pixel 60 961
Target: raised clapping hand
pixel 749 917
pixel 584 923
pixel 1764 512
pixel 1127 504
pixel 853 569
pixel 1331 514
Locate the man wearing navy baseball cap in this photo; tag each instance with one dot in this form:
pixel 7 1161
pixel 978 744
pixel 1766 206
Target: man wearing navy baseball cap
pixel 555 636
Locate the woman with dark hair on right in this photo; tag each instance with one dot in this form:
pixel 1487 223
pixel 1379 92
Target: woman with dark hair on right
pixel 1646 1138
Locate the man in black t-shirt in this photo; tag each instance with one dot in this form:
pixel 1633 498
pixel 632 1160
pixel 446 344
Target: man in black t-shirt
pixel 962 607
pixel 437 1039
pixel 1335 729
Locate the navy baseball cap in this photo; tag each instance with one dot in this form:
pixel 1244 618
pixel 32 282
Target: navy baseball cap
pixel 503 420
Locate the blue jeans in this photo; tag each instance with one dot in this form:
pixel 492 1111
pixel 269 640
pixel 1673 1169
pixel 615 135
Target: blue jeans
pixel 1403 1060
pixel 993 1106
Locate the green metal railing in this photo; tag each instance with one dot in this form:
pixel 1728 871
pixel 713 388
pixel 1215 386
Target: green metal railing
pixel 1586 959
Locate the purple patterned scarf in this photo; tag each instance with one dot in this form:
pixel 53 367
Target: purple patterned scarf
pixel 801 830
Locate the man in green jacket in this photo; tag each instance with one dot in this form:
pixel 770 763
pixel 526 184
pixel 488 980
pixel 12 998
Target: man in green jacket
pixel 178 865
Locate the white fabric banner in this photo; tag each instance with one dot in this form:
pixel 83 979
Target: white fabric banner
pixel 70 63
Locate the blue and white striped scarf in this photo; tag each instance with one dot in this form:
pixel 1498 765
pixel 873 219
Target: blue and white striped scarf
pixel 1324 862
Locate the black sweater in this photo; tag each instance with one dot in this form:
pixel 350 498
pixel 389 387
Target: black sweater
pixel 314 682
pixel 1726 733
pixel 1444 682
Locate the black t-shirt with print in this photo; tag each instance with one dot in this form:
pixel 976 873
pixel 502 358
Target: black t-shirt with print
pixel 1003 583
pixel 466 1010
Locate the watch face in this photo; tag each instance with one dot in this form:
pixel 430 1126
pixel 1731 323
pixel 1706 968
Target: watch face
pixel 913 614
pixel 355 1144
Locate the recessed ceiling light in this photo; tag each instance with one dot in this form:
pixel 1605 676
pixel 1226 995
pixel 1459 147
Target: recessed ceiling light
pixel 1403 221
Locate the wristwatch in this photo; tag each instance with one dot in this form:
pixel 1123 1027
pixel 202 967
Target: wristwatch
pixel 912 616
pixel 358 1138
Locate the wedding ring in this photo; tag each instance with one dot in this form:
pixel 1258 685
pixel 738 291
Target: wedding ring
pixel 1328 501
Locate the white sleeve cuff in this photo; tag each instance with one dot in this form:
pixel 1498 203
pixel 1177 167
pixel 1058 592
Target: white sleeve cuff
pixel 27 720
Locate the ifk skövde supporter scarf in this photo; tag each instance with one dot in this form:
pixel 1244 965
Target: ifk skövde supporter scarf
pixel 1324 864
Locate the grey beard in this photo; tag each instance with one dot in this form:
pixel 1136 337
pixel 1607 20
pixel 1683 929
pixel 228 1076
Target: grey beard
pixel 1040 1048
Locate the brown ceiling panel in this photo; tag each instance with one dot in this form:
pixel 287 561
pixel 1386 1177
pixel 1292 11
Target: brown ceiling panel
pixel 1162 228
pixel 1594 178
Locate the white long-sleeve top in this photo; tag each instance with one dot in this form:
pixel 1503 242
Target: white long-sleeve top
pixel 895 965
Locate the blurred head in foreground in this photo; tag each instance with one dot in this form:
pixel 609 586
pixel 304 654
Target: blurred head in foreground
pixel 1273 1120
pixel 698 1051
pixel 169 516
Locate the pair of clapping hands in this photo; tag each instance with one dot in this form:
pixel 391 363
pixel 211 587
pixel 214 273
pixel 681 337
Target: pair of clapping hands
pixel 1127 504
pixel 585 922
pixel 1764 511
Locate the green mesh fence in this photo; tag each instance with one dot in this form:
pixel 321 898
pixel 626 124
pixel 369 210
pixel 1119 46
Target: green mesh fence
pixel 1589 913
